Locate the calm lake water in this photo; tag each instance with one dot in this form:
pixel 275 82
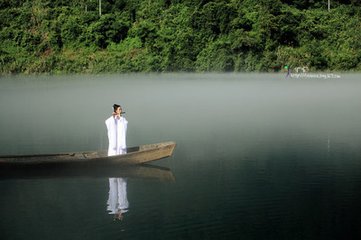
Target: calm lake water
pixel 258 156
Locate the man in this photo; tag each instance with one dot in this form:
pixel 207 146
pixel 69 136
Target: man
pixel 117 130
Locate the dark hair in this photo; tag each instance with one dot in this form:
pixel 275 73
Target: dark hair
pixel 116 106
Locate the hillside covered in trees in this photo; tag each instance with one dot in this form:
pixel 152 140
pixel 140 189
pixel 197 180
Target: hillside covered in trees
pixel 93 36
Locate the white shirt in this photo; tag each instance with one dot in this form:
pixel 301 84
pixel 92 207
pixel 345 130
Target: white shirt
pixel 117 131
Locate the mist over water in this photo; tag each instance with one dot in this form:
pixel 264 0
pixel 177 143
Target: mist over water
pixel 258 156
pixel 72 109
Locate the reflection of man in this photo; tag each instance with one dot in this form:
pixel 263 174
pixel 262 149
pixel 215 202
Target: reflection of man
pixel 117 201
pixel 117 130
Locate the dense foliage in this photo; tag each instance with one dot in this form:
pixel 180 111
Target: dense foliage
pixel 68 36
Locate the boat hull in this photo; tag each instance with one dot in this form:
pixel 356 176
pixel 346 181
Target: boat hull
pixel 135 155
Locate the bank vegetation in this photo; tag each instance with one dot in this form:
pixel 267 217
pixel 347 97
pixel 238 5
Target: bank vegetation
pixel 82 36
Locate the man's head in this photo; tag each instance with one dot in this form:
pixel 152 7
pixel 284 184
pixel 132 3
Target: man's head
pixel 117 109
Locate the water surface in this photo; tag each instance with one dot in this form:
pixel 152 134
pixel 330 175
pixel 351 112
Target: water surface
pixel 259 156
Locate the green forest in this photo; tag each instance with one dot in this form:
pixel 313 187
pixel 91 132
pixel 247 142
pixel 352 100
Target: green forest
pixel 120 36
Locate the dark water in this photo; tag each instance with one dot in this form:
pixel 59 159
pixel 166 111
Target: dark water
pixel 258 156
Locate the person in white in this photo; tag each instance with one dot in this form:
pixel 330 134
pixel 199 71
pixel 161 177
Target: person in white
pixel 117 130
pixel 117 203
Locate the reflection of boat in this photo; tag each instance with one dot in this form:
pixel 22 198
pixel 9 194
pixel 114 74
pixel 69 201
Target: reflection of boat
pixel 134 155
pixel 143 171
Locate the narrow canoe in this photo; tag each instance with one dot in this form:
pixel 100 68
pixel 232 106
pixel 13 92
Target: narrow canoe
pixel 135 155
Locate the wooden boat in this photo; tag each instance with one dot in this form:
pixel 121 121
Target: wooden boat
pixel 135 155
